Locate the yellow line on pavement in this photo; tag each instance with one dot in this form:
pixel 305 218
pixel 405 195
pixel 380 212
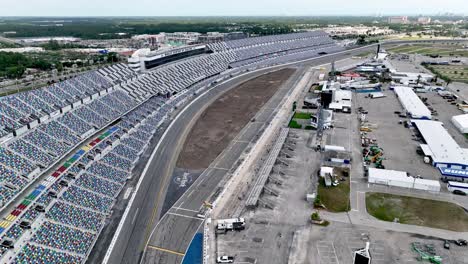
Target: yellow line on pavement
pixel 166 250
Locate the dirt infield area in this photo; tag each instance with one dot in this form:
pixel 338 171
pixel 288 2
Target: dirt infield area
pixel 225 118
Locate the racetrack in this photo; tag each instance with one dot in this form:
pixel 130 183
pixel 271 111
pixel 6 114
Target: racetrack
pixel 146 208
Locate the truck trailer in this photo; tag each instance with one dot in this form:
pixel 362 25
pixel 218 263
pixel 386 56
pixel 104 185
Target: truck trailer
pixel 458 187
pixel 230 224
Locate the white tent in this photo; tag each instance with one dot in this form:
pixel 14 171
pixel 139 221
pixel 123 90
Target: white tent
pixel 324 171
pixel 461 123
pixel 390 178
pixel 411 102
pixel 427 185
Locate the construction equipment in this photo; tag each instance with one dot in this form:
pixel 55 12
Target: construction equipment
pixel 426 252
pixel 206 204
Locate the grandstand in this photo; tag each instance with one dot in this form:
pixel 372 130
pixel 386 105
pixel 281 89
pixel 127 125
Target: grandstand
pixel 103 121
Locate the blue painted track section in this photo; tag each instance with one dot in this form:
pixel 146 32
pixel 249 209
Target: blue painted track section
pixel 194 253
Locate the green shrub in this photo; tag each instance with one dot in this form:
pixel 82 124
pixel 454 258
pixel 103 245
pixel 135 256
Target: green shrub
pixel 294 124
pixel 315 216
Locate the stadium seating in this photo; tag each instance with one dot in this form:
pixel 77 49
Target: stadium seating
pixel 49 122
pixel 36 254
pixel 75 216
pixel 31 152
pixel 98 185
pixel 63 238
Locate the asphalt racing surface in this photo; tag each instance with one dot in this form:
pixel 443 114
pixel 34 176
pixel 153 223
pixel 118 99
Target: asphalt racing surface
pixel 169 240
pixel 175 230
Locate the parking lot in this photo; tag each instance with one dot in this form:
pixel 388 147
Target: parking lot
pixel 398 142
pixel 446 110
pixel 272 224
pixel 337 242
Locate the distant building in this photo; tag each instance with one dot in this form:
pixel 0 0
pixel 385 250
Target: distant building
pixel 235 35
pixel 150 41
pixel 424 20
pixel 357 30
pixel 211 37
pixel 398 20
pixel 184 38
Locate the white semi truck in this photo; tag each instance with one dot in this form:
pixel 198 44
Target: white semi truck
pixel 230 224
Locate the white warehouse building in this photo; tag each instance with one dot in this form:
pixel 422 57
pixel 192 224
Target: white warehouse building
pixel 461 123
pixel 440 146
pixel 412 103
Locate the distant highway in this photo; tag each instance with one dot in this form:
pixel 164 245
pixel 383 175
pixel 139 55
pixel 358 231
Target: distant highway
pixel 7 40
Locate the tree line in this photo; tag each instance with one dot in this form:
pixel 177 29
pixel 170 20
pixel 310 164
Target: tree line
pixel 14 65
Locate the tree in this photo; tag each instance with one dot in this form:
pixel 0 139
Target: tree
pixel 59 67
pixel 15 71
pixel 52 45
pixel 361 40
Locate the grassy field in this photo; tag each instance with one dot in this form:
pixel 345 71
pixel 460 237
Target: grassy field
pixel 335 199
pixel 293 124
pixel 448 50
pixel 416 211
pixel 299 115
pixel 457 73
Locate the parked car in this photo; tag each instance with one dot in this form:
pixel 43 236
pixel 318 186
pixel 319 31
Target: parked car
pixel 461 242
pixel 225 259
pixel 458 192
pixel 446 244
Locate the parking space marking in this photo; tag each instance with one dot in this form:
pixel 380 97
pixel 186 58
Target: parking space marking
pixel 326 252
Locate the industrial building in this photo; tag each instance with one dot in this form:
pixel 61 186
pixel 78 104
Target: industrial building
pixel 461 123
pixel 341 101
pixel 398 20
pixel 412 103
pixel 443 150
pixel 411 77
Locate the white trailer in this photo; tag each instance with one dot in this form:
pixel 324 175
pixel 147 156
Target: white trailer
pixel 427 185
pixel 334 148
pixel 377 95
pixel 459 187
pixel 231 224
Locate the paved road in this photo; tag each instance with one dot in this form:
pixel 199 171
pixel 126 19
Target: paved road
pixel 146 208
pixel 175 230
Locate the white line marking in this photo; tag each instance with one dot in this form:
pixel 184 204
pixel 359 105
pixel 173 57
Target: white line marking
pixel 136 213
pixel 127 193
pixel 178 208
pixel 187 216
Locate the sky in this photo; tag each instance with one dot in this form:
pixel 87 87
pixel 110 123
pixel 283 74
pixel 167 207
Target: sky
pixel 228 7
